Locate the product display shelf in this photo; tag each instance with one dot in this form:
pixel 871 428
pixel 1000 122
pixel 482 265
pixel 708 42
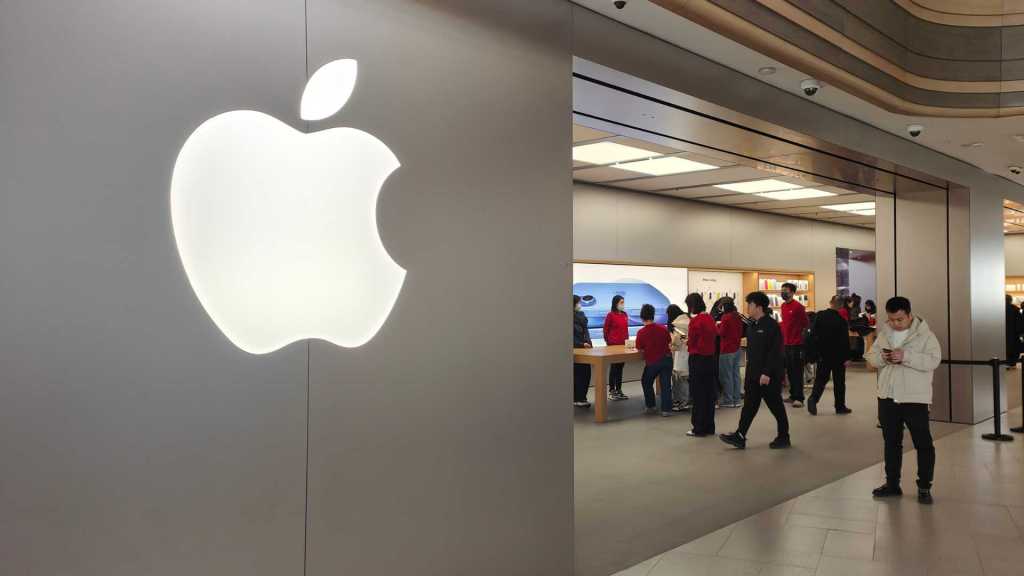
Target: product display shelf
pixel 771 284
pixel 1015 287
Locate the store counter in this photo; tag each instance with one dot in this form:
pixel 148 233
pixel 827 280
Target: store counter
pixel 599 359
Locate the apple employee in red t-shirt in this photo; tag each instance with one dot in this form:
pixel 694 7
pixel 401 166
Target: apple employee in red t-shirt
pixel 700 344
pixel 653 340
pixel 616 332
pixel 794 322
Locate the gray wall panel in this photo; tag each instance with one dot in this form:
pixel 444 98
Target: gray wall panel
pixel 922 268
pixel 134 438
pixel 430 453
pixel 987 297
pixel 1014 247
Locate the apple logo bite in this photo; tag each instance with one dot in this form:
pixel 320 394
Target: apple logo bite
pixel 277 229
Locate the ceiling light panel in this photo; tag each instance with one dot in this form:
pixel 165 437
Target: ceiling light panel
pixel 758 186
pixel 665 166
pixel 796 194
pixel 609 153
pixel 856 207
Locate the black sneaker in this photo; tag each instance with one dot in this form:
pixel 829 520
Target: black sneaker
pixel 780 443
pixel 843 410
pixel 887 491
pixel 925 497
pixel 622 395
pixel 735 440
pixel 812 407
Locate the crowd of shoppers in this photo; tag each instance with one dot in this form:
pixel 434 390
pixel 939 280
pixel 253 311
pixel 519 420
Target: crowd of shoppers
pixel 683 355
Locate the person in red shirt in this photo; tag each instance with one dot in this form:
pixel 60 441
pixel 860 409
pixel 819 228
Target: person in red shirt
pixel 616 332
pixel 794 322
pixel 845 310
pixel 700 343
pixel 730 332
pixel 653 340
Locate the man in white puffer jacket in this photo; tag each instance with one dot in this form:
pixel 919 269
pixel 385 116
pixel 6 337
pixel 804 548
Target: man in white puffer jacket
pixel 906 354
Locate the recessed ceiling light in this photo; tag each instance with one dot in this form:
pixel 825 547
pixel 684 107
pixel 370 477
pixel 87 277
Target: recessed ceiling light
pixel 766 70
pixel 797 194
pixel 609 152
pixel 758 186
pixel 858 208
pixel 972 145
pixel 665 165
pixel 1018 137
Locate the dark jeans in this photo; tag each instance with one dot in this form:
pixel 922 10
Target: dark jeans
pixel 703 393
pixel 838 373
pixel 893 417
pixel 662 370
pixel 615 377
pixel 772 396
pixel 795 371
pixel 580 382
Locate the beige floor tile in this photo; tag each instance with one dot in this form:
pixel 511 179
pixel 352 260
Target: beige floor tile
pixel 773 570
pixel 680 564
pixel 1001 556
pixel 787 545
pixel 1017 512
pixel 845 508
pixel 858 526
pixel 946 517
pixel 641 569
pixel 830 566
pixel 708 545
pixel 849 545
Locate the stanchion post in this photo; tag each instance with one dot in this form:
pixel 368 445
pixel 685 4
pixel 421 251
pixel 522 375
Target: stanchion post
pixel 998 436
pixel 1020 429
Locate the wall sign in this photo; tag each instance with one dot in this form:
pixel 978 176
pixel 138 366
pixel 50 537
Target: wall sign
pixel 277 229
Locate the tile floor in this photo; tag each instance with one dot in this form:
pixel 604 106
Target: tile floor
pixel 975 527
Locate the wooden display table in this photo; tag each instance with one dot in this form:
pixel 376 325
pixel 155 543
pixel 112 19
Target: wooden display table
pixel 599 359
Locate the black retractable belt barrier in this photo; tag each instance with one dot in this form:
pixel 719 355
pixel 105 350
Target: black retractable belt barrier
pixel 1020 429
pixel 995 363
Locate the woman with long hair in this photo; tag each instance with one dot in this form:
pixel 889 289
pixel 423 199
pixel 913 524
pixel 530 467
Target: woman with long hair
pixel 700 343
pixel 616 332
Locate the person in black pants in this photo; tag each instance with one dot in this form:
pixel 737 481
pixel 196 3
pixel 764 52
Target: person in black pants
pixel 765 373
pixel 700 343
pixel 831 336
pixel 580 339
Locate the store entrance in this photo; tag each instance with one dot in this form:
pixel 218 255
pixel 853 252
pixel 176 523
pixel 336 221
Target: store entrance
pixel 674 197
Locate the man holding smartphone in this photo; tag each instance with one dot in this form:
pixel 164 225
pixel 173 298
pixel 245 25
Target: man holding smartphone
pixel 906 354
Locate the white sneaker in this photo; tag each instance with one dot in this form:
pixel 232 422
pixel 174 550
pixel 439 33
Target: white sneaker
pixel 798 404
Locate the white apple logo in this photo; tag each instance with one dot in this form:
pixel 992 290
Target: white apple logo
pixel 277 229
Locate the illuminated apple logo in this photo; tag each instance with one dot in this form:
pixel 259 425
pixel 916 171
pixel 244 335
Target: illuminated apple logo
pixel 277 229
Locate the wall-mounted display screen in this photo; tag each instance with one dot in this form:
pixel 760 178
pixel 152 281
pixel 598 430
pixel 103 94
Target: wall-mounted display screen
pixel 597 284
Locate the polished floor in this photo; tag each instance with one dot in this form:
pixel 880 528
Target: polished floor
pixel 974 528
pixel 642 487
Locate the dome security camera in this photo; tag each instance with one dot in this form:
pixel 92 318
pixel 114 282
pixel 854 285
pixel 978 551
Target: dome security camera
pixel 620 4
pixel 1016 170
pixel 810 86
pixel 915 130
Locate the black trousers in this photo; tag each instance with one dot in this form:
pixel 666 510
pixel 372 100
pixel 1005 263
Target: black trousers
pixel 837 370
pixel 615 377
pixel 893 417
pixel 580 382
pixel 795 371
pixel 772 396
pixel 702 393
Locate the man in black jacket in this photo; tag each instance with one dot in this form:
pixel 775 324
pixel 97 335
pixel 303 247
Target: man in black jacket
pixel 580 339
pixel 831 335
pixel 765 373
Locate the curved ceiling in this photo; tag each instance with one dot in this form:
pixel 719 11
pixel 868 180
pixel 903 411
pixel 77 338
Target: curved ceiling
pixel 884 52
pixel 967 12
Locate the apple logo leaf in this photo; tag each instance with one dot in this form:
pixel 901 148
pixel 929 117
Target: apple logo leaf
pixel 328 89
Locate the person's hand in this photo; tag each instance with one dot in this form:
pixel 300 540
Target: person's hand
pixel 896 356
pixel 848 363
pixel 765 380
pixel 588 345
